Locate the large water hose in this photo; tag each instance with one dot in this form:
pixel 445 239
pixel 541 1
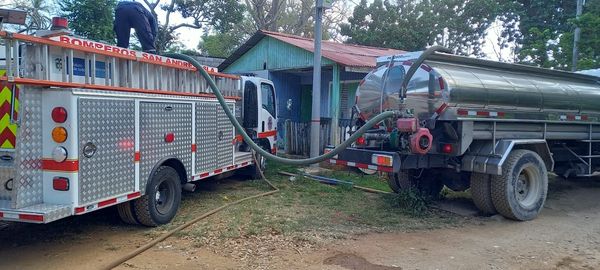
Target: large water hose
pixel 380 117
pixel 416 65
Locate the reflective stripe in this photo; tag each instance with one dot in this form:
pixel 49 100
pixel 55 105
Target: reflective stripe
pixel 361 165
pixel 219 171
pixel 65 166
pixel 267 134
pixel 106 203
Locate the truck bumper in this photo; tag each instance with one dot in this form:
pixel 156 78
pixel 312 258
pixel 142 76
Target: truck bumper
pixel 41 213
pixel 366 159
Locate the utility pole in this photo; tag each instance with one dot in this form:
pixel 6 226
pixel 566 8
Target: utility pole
pixel 577 35
pixel 315 123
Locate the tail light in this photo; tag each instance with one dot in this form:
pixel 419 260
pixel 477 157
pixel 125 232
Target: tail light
pixel 361 141
pixel 169 137
pixel 59 134
pixel 60 183
pixel 383 160
pixel 447 148
pixel 59 154
pixel 59 115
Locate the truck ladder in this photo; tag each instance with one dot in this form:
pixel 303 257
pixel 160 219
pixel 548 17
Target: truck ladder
pixel 71 62
pixel 587 158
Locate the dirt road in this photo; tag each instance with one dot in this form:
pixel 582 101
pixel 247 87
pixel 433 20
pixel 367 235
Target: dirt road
pixel 565 236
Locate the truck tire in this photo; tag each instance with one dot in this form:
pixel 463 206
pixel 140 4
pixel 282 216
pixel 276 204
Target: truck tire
pixel 262 165
pixel 162 199
pixel 426 183
pixel 481 192
pixel 399 181
pixel 456 181
pixel 520 192
pixel 126 213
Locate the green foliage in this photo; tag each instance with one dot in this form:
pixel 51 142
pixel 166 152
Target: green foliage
pixel 220 44
pixel 92 19
pixel 414 25
pixel 411 201
pixel 221 15
pixel 543 32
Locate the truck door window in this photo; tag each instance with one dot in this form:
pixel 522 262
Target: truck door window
pixel 268 98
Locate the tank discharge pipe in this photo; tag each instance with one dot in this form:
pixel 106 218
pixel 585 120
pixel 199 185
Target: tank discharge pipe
pixel 380 117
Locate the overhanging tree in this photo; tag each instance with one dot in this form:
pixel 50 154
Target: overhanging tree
pixel 218 15
pixel 92 19
pixel 543 32
pixel 415 24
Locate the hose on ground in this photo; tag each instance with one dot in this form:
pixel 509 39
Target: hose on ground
pixel 416 65
pixel 161 238
pixel 380 117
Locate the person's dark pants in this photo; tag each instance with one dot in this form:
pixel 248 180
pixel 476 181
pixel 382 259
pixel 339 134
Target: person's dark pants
pixel 127 17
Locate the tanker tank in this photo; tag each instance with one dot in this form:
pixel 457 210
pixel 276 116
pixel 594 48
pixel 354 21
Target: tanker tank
pixel 475 84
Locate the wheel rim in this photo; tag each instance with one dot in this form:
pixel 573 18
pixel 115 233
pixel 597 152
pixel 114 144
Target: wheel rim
pixel 528 186
pixel 164 197
pixel 263 163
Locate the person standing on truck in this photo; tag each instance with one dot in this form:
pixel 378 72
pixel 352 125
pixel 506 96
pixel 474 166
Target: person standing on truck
pixel 131 14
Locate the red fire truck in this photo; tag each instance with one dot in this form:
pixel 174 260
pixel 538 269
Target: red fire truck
pixel 86 125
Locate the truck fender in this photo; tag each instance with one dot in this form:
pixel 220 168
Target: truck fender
pixel 485 157
pixel 172 162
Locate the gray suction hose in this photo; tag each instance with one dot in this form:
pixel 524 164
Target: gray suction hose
pixel 380 117
pixel 416 65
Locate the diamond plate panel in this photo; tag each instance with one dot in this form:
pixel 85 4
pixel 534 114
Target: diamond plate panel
pixel 206 136
pixel 110 126
pixel 28 183
pixel 157 120
pixel 224 137
pixel 51 212
pixel 7 172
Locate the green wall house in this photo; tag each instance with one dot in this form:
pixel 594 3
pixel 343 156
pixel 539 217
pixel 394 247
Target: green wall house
pixel 287 60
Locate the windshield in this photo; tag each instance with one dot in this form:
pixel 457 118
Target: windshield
pixel 268 98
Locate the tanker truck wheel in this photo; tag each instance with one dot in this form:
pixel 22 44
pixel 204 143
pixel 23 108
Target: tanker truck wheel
pixel 162 199
pixel 520 192
pixel 424 181
pixel 481 192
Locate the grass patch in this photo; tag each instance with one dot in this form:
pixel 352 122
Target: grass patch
pixel 303 210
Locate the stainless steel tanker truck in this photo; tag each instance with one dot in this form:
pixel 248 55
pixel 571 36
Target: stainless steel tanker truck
pixel 496 128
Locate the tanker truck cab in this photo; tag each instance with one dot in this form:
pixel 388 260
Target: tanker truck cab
pixel 494 128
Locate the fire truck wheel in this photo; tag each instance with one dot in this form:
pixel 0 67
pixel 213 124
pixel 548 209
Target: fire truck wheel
pixel 126 213
pixel 262 165
pixel 520 192
pixel 481 192
pixel 399 181
pixel 162 199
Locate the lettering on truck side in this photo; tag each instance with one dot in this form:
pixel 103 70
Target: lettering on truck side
pixel 127 52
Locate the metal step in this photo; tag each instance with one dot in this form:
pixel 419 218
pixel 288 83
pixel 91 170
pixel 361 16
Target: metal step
pixel 593 141
pixel 592 156
pixel 39 213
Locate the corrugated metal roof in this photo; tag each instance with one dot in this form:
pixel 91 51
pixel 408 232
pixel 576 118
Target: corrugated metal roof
pixel 344 54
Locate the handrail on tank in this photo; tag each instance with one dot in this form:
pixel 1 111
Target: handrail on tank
pixel 447 56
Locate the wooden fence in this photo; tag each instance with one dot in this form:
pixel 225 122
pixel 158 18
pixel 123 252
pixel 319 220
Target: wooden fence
pixel 297 135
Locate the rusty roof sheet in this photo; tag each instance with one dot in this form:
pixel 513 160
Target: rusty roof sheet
pixel 344 54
